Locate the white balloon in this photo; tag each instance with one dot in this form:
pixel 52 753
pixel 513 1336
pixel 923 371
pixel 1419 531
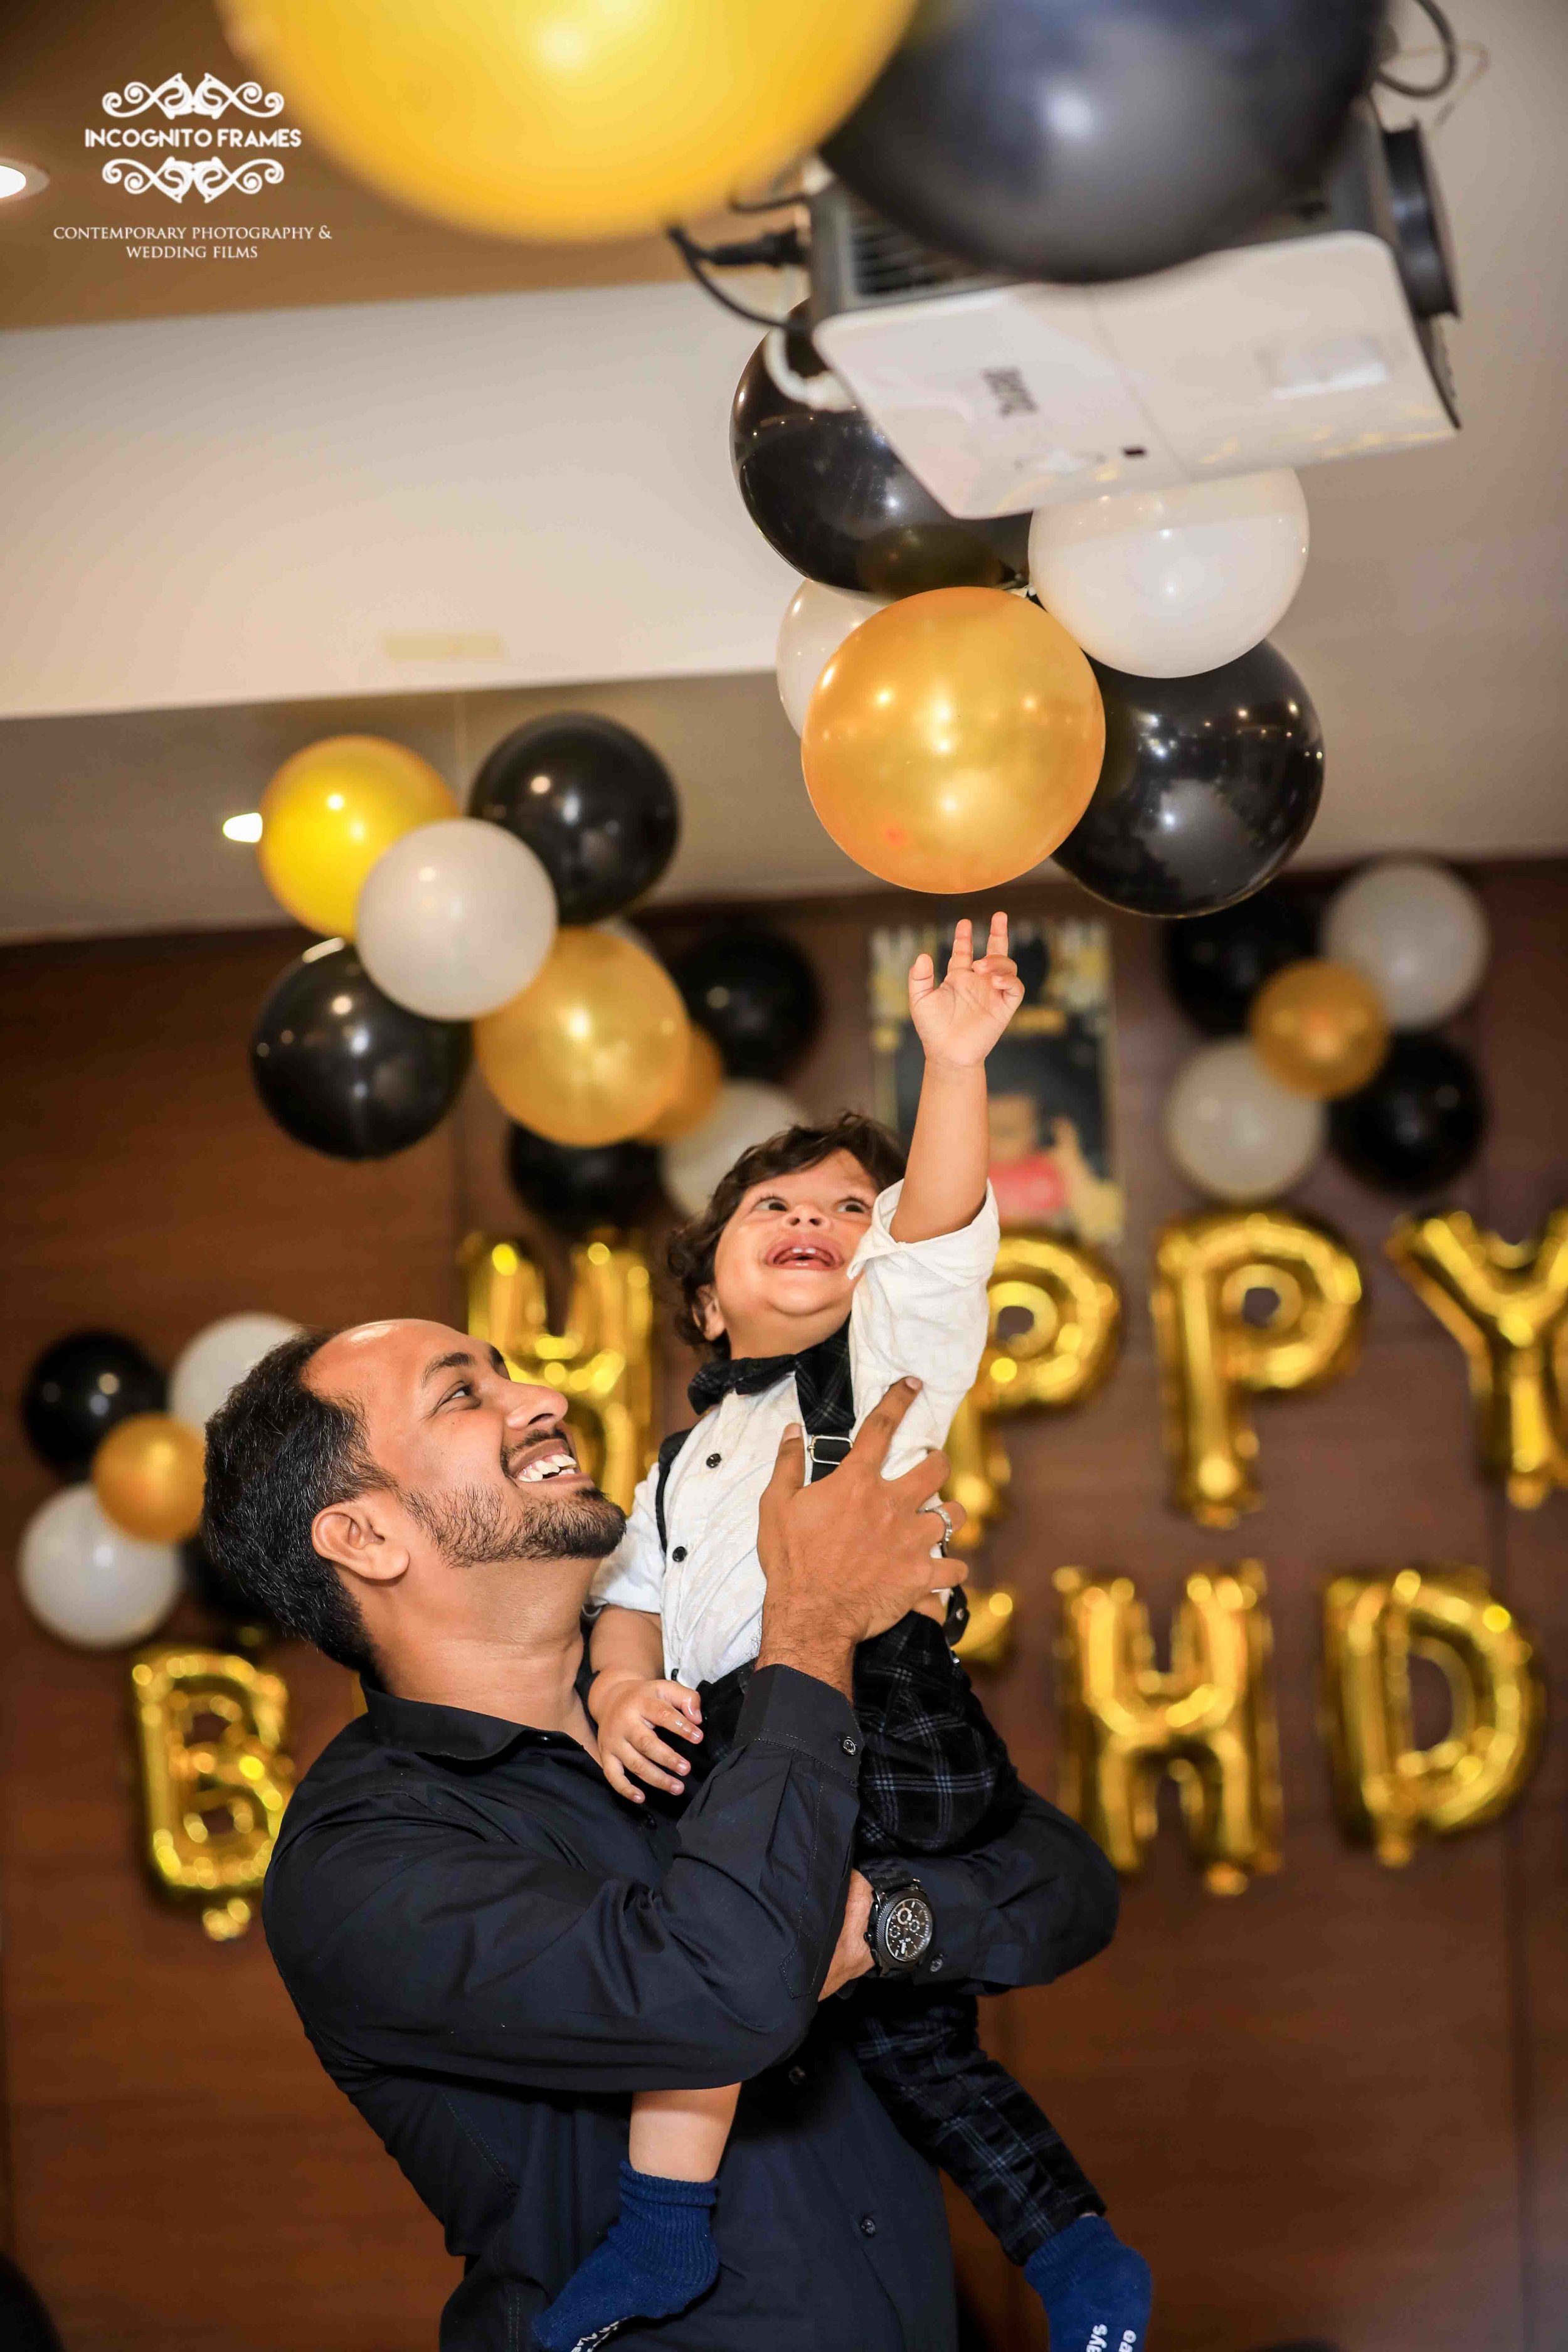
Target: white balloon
pixel 217 1360
pixel 1165 584
pixel 90 1582
pixel 814 628
pixel 455 919
pixel 745 1113
pixel 1235 1132
pixel 1417 933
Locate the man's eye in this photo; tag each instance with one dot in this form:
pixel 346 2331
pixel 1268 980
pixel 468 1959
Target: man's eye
pixel 463 1389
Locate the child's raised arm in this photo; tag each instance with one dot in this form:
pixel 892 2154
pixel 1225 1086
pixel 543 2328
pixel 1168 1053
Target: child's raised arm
pixel 958 1023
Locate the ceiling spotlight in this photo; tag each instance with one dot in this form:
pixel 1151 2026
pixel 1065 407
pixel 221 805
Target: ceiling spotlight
pixel 247 827
pixel 19 179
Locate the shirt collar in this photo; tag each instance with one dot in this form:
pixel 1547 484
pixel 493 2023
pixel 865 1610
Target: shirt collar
pixel 455 1732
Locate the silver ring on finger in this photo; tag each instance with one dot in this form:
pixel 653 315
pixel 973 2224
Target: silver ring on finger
pixel 937 1506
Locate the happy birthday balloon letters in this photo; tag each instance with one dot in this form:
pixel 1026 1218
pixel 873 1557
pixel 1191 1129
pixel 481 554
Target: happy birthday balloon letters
pixel 214 1778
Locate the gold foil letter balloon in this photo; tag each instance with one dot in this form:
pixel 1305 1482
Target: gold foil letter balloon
pixel 1389 1793
pixel 1507 1305
pixel 1214 1357
pixel 214 1779
pixel 594 1048
pixel 603 1360
pixel 954 740
pixel 1056 1311
pixel 1209 1721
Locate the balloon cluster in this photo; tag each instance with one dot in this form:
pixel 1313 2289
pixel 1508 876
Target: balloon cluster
pixel 1127 717
pixel 442 920
pixel 1334 1046
pixel 99 1563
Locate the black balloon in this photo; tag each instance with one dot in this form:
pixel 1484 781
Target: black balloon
pixel 80 1388
pixel 1086 140
pixel 829 492
pixel 342 1068
pixel 594 804
pixel 1419 1125
pixel 601 1184
pixel 756 996
pixel 1217 963
pixel 1208 784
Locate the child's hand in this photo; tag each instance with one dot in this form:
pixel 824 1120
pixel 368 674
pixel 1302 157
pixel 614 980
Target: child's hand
pixel 630 1713
pixel 961 1021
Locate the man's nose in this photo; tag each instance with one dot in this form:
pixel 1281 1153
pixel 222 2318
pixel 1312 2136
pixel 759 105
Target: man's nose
pixel 527 1404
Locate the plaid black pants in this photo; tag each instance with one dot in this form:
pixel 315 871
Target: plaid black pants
pixel 935 1778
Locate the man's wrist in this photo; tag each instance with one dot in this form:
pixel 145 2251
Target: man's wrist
pixel 825 1652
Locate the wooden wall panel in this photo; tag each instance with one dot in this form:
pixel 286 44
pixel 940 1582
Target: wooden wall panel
pixel 1335 2106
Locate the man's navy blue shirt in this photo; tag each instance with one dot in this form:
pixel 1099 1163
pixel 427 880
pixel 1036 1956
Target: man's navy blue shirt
pixel 490 1951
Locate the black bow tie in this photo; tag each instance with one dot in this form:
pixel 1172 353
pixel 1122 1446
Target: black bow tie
pixel 822 1383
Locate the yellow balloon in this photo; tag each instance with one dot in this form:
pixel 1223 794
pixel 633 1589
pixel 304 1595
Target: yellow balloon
pixel 954 740
pixel 699 1083
pixel 592 1049
pixel 148 1475
pixel 327 814
pixel 1320 1028
pixel 574 119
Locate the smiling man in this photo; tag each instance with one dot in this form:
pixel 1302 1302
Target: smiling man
pixel 490 1951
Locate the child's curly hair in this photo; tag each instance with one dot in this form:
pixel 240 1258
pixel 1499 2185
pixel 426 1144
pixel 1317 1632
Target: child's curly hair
pixel 693 1245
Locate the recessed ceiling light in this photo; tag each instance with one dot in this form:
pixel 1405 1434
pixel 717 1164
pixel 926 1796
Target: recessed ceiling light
pixel 19 179
pixel 247 827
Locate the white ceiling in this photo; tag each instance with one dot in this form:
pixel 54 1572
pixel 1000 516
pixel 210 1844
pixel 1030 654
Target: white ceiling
pixel 211 528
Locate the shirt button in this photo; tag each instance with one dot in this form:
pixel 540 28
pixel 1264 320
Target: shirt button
pixel 679 1552
pixel 850 1746
pixel 714 1460
pixel 796 2075
pixel 934 1965
pixel 868 2225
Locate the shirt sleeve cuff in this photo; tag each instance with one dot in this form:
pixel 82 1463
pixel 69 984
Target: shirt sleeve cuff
pixel 794 1710
pixel 962 1257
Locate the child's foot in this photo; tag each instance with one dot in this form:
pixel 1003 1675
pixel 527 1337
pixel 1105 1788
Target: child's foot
pixel 657 2258
pixel 1097 2292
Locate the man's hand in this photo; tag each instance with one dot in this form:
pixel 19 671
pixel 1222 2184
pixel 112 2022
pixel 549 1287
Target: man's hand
pixel 848 1556
pixel 630 1712
pixel 851 1954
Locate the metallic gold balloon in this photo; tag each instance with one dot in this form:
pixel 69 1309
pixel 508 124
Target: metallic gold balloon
pixel 594 1048
pixel 327 814
pixel 148 1477
pixel 1390 1792
pixel 1212 1358
pixel 700 1085
pixel 1209 1722
pixel 987 1639
pixel 1065 1349
pixel 603 1360
pixel 954 740
pixel 215 1779
pixel 1506 1303
pixel 1320 1028
pixel 567 118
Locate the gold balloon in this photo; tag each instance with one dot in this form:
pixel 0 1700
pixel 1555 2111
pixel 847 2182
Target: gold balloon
pixel 987 1639
pixel 327 814
pixel 148 1475
pixel 594 1048
pixel 215 1779
pixel 1389 1793
pixel 1320 1028
pixel 1070 1304
pixel 1212 1358
pixel 1209 1722
pixel 602 1361
pixel 954 740
pixel 567 118
pixel 699 1083
pixel 1506 1303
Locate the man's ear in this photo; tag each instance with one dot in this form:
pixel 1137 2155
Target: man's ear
pixel 710 1321
pixel 355 1536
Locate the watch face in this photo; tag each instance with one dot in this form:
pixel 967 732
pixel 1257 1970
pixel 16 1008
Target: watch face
pixel 905 1928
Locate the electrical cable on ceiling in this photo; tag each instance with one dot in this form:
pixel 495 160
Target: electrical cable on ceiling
pixel 1449 72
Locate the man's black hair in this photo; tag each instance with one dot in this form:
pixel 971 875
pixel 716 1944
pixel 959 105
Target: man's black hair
pixel 277 1454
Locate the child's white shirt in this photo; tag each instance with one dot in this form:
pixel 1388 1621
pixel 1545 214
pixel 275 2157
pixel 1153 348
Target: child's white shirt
pixel 915 1306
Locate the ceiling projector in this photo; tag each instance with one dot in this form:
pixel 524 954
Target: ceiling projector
pixel 1316 337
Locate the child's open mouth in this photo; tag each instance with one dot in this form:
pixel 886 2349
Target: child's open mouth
pixel 817 1256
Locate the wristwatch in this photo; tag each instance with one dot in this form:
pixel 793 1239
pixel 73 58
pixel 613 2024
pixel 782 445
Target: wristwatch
pixel 902 1924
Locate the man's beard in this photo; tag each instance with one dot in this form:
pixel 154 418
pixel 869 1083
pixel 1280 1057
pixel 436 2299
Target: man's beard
pixel 475 1526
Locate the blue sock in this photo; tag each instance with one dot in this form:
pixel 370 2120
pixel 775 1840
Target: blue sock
pixel 1097 2292
pixel 657 2257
